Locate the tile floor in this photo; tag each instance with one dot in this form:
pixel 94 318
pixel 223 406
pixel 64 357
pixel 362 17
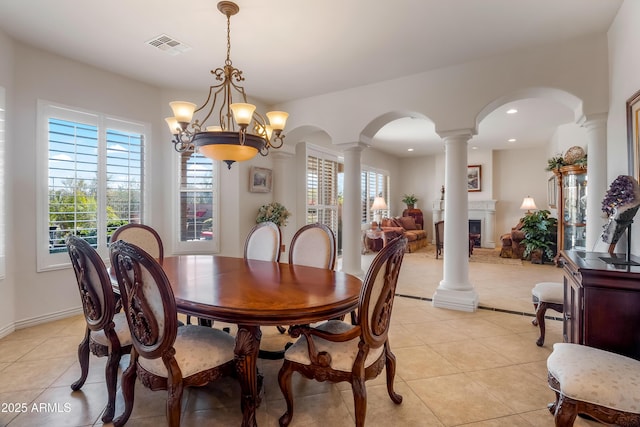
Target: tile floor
pixel 454 368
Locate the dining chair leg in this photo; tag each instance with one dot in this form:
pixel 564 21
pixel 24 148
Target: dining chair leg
pixel 174 401
pixel 128 389
pixel 359 400
pixel 83 359
pixel 284 380
pixel 111 377
pixel 390 363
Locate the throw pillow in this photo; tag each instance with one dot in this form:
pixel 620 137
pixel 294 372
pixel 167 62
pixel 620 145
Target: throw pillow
pixel 408 223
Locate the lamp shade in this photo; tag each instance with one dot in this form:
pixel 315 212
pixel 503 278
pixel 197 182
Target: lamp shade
pixel 182 110
pixel 379 204
pixel 242 113
pixel 528 204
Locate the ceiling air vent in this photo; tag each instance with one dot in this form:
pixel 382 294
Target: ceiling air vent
pixel 168 44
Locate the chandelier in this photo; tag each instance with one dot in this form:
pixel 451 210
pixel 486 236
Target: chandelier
pixel 240 132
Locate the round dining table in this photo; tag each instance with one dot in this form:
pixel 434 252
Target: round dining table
pixel 250 294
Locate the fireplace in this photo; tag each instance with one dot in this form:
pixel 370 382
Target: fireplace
pixel 475 232
pixel 480 211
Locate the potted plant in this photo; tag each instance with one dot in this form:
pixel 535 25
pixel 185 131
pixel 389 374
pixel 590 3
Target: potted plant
pixel 273 212
pixel 540 233
pixel 410 200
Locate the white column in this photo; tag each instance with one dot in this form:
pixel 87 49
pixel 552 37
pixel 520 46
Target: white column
pixel 596 126
pixel 489 229
pixel 351 210
pixel 455 291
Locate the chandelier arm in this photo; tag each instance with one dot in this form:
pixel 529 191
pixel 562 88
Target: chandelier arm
pixel 273 140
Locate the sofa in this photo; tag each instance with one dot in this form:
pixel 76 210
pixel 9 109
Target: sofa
pixel 405 226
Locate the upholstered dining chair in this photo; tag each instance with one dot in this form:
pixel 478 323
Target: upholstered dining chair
pixel 106 332
pixel 164 356
pixel 263 242
pixel 439 226
pixel 313 245
pixel 142 236
pixel 338 351
pixel 602 385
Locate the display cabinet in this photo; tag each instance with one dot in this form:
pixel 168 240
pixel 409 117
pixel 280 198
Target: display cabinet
pixel 572 207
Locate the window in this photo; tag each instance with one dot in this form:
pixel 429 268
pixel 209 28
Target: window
pixel 373 184
pixel 322 189
pixel 93 173
pixel 197 206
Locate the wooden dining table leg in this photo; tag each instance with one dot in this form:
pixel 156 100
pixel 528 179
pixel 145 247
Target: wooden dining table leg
pixel 246 356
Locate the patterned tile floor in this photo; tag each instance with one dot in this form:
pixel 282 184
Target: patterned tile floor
pixel 454 368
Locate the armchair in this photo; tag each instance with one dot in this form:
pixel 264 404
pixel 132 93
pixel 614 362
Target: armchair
pixel 512 246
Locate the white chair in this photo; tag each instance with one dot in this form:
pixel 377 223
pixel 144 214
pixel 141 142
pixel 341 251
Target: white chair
pixel 263 242
pixel 338 351
pixel 142 236
pixel 165 356
pixel 106 333
pixel 593 382
pixel 313 245
pixel 546 295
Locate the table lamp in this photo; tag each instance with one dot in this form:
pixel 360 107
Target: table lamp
pixel 378 206
pixel 528 204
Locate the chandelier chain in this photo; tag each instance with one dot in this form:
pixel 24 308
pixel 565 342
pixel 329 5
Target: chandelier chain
pixel 228 61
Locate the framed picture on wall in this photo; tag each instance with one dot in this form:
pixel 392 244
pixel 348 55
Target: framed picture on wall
pixel 473 177
pixel 633 134
pixel 259 180
pixel 552 192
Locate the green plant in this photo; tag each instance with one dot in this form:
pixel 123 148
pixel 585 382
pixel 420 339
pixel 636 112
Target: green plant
pixel 555 163
pixel 409 199
pixel 540 233
pixel 273 212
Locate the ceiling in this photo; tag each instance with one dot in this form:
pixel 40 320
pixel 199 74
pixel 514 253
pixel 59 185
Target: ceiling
pixel 291 49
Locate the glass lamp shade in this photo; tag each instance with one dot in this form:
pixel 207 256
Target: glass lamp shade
pixel 379 204
pixel 214 128
pixel 277 119
pixel 242 113
pixel 182 110
pixel 173 125
pixel 528 204
pixel 236 153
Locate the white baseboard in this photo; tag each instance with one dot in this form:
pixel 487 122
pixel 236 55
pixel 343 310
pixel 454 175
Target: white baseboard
pixel 7 330
pixel 63 314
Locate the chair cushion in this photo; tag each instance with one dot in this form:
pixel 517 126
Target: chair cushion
pixel 596 376
pixel 198 348
pixel 122 331
pixel 343 354
pixel 552 292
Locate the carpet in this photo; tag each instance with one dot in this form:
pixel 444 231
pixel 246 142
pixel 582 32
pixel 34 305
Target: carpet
pixel 482 255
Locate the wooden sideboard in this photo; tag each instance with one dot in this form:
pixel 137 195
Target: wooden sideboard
pixel 601 302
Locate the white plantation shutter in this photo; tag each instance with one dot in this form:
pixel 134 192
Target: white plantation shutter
pixel 197 197
pixel 373 184
pixel 322 189
pixel 92 168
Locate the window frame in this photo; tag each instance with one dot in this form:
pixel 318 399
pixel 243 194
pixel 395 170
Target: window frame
pixel 47 261
pixel 367 215
pixel 194 246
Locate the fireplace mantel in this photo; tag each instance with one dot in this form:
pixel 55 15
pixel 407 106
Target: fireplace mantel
pixel 483 210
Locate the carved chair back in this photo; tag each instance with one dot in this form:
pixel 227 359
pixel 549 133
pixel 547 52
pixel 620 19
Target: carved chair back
pixel 98 301
pixel 378 292
pixel 263 242
pixel 148 300
pixel 313 245
pixel 142 236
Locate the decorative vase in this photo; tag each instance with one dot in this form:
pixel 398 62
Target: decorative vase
pixel 410 206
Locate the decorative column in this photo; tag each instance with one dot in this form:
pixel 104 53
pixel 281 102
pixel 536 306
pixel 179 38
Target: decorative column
pixel 455 291
pixel 351 210
pixel 596 126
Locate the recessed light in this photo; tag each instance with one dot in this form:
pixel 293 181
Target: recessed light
pixel 511 140
pixel 512 111
pixel 474 148
pixel 409 149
